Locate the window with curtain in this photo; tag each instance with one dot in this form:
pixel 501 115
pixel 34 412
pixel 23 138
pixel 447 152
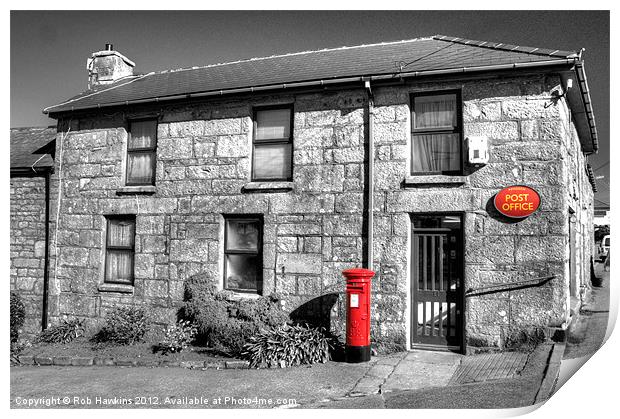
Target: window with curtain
pixel 120 236
pixel 273 144
pixel 243 259
pixel 141 149
pixel 436 133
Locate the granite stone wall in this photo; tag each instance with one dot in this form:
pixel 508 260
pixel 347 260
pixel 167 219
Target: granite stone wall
pixel 315 227
pixel 529 137
pixel 311 232
pixel 28 247
pixel 580 199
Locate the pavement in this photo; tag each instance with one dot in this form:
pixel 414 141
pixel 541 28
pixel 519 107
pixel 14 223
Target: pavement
pixel 443 380
pixel 143 387
pixel 417 379
pixel 587 332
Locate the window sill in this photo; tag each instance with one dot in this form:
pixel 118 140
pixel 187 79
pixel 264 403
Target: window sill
pixel 122 288
pixel 240 295
pixel 435 180
pixel 268 186
pixel 137 190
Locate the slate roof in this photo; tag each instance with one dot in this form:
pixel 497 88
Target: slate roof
pixel 387 59
pixel 27 141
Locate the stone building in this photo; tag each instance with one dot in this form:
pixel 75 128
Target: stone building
pixel 32 151
pixel 274 174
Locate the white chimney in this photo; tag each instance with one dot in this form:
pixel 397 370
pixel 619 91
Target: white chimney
pixel 105 67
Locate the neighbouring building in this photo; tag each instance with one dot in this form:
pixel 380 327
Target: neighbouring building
pixel 602 214
pixel 32 152
pixel 274 174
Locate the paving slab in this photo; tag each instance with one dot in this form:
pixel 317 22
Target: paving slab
pixel 391 359
pixel 367 385
pixel 413 375
pixel 380 371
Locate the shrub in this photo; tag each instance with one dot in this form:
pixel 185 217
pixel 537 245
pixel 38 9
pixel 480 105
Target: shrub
pixel 288 345
pixel 18 313
pixel 525 339
pixel 226 324
pixel 125 325
pixel 177 337
pixel 64 332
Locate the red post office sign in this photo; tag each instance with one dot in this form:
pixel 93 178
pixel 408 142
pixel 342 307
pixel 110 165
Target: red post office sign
pixel 517 201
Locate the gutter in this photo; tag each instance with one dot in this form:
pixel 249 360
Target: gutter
pixel 325 82
pixel 587 102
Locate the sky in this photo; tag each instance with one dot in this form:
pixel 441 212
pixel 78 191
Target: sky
pixel 49 48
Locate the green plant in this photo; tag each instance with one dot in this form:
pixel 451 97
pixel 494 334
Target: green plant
pixel 18 314
pixel 177 337
pixel 225 323
pixel 64 332
pixel 288 345
pixel 125 325
pixel 525 339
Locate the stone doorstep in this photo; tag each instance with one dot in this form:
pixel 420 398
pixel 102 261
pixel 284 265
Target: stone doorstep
pixel 129 362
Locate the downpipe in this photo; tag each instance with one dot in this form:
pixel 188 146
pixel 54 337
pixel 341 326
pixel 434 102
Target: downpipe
pixel 371 169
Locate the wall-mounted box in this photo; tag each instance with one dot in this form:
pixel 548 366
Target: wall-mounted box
pixel 477 150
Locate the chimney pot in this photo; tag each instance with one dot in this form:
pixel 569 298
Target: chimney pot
pixel 109 47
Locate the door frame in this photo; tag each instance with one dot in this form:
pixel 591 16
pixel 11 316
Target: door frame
pixel 461 320
pixel 573 282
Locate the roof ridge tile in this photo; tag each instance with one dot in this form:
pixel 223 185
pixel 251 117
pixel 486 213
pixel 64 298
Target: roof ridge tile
pixel 290 54
pixel 506 47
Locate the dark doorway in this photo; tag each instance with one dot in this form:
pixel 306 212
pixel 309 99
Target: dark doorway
pixel 437 282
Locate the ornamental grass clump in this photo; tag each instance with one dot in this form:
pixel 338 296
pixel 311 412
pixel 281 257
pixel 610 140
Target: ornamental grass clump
pixel 287 346
pixel 63 332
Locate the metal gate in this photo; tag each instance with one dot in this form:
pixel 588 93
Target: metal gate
pixel 437 282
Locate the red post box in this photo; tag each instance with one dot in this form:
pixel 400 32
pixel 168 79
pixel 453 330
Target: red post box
pixel 357 348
